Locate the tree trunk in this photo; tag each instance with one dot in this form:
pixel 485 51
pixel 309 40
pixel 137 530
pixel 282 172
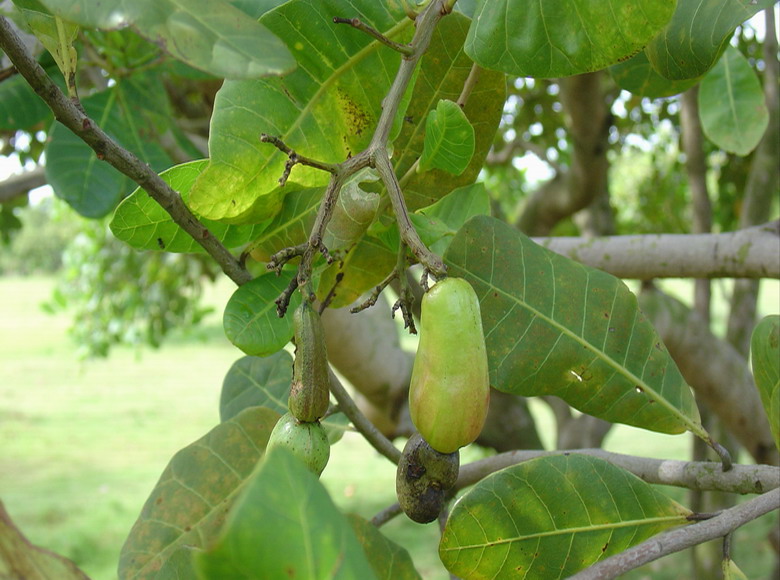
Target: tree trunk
pixel 588 121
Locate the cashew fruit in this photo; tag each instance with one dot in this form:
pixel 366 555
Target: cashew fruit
pixel 450 387
pixel 309 391
pixel 422 479
pixel 307 441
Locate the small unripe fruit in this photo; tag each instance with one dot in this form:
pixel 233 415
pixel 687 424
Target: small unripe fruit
pixel 422 479
pixel 310 388
pixel 450 387
pixel 307 441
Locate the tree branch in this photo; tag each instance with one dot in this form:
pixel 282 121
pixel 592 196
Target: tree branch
pixel 21 184
pixel 681 538
pixel 361 423
pixel 705 476
pixel 70 114
pixel 748 253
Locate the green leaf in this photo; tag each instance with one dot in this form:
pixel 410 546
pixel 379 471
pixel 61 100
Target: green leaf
pixel 250 319
pixel 142 223
pixel 437 224
pixel 388 560
pixel 20 106
pixel 732 105
pixel 128 112
pixel 291 226
pixel 189 503
pixel 765 356
pixel 325 109
pixel 697 35
pixel 444 69
pixel 449 139
pixel 555 39
pixel 21 559
pixel 265 382
pixel 210 35
pixel 254 382
pixel 56 36
pixel 284 525
pixel 637 75
pixel 556 327
pixel 551 517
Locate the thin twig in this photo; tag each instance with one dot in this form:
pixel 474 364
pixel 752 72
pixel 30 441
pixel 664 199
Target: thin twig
pixel 361 422
pixel 681 538
pixel 387 514
pixel 70 114
pixel 404 49
pixel 7 73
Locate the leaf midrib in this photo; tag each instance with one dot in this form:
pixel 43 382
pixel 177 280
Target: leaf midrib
pixel 575 530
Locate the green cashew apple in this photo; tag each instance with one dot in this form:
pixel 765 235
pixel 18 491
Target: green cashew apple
pixel 450 386
pixel 309 391
pixel 307 441
pixel 422 479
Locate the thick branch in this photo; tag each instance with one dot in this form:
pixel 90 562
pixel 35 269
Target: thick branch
pixel 17 185
pixel 70 114
pixel 748 253
pixel 705 476
pixel 682 538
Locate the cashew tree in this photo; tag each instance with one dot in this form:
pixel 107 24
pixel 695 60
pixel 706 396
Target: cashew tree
pixel 351 151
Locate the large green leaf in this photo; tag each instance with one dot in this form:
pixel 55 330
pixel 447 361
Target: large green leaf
pixel 551 517
pixel 732 105
pixel 765 357
pixel 129 112
pixel 189 503
pixel 285 525
pixel 697 34
pixel 250 319
pixel 291 226
pixel 556 327
pixel 20 106
pixel 442 73
pixel 389 560
pixel 325 109
pixel 437 224
pixel 449 139
pixel 254 381
pixel 211 35
pixel 637 76
pixel 568 37
pixel 20 559
pixel 142 223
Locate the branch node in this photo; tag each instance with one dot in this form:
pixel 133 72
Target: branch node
pixel 283 301
pixel 280 258
pixel 294 158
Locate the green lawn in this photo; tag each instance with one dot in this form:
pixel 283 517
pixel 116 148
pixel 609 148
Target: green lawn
pixel 82 444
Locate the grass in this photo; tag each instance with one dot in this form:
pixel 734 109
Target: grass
pixel 81 445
